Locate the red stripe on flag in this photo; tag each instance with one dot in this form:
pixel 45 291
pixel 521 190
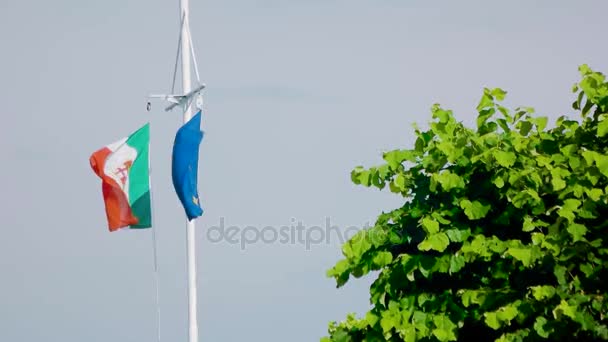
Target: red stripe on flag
pixel 117 206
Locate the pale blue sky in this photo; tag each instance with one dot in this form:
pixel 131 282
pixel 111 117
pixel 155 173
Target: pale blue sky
pixel 299 92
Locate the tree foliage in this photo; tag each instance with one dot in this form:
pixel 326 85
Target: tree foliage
pixel 502 233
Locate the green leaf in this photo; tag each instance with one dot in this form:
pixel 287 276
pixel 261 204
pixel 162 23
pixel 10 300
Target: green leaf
pixel 502 316
pixel 444 328
pixel 397 157
pixel 539 327
pixel 584 69
pixel 431 226
pixel 354 174
pixel 556 179
pixel 474 210
pixel 371 318
pixel 540 122
pixel 508 119
pixel 438 216
pixel 438 242
pixel 426 265
pixel 503 124
pixel 522 254
pixel 560 273
pixel 507 313
pixel 587 108
pixel 470 297
pixel 341 336
pixel 409 262
pixel 595 194
pixel 568 209
pixel 601 161
pixel 564 309
pixel 505 159
pixel 577 231
pixel 420 321
pixel 528 224
pixel 458 235
pixel 498 94
pixel 441 114
pixel 589 156
pixel 499 182
pixel 339 271
pixel 387 323
pixel 356 246
pixel 542 292
pixel 408 334
pixel 400 182
pixel 587 269
pixel 449 181
pixel 602 128
pixel 382 259
pixel 457 262
pixel 483 117
pixel 363 178
pixel 525 127
pixel 485 101
pixel 377 181
pixel 492 320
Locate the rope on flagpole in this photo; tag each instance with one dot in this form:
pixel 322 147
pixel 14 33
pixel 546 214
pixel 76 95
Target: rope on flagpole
pixel 157 283
pixel 193 54
pixel 179 48
pixel 199 97
pixel 154 249
pixel 198 78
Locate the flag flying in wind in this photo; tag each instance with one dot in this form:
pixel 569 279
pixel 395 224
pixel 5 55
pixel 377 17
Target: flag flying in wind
pixel 185 165
pixel 123 167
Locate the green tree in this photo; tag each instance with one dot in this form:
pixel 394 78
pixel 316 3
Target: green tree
pixel 502 233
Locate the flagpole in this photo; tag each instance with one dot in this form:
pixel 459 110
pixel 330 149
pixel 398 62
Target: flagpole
pixel 187 87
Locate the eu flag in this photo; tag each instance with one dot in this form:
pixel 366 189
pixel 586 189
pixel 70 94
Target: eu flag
pixel 184 166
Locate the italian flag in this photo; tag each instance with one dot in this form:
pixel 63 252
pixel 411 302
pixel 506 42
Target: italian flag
pixel 123 167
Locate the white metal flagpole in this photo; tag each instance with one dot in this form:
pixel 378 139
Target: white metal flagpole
pixel 187 87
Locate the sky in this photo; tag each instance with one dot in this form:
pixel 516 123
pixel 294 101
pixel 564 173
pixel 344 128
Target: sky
pixel 298 94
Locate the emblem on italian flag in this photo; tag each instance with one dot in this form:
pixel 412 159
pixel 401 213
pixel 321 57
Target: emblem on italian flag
pixel 123 167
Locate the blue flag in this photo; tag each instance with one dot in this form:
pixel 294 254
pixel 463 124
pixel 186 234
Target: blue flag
pixel 184 166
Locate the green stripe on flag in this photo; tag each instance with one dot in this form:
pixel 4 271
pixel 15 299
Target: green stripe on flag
pixel 142 210
pixel 139 178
